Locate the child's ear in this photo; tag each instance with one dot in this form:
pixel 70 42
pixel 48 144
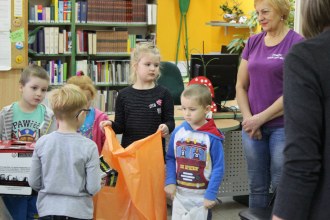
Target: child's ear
pixel 21 87
pixel 208 108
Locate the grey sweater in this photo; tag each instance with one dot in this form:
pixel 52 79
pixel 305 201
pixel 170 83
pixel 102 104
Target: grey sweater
pixel 65 170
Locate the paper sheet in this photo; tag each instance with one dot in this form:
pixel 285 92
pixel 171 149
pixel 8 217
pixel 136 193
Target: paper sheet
pixel 18 8
pixel 5 54
pixel 5 15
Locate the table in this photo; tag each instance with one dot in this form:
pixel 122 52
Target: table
pixel 232 104
pixel 224 125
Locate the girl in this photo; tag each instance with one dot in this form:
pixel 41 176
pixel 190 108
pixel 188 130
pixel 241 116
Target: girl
pixel 90 128
pixel 144 107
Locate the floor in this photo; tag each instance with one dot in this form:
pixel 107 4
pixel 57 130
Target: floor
pixel 228 210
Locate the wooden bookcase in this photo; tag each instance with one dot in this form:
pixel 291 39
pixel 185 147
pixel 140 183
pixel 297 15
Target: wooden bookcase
pixel 108 66
pixel 132 26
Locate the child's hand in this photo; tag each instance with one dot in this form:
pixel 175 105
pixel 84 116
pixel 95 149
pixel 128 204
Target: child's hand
pixel 164 130
pixel 170 190
pixel 104 124
pixel 209 204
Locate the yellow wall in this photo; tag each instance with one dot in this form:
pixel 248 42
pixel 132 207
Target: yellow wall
pixel 200 12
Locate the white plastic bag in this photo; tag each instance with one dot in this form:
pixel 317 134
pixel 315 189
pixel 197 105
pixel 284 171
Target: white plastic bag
pixel 186 209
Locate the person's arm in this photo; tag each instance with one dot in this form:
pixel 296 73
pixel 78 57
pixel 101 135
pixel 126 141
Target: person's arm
pixel 253 123
pixel 304 130
pixel 118 124
pixel 93 172
pixel 242 86
pixel 168 111
pixel 170 162
pixel 170 179
pixel 218 165
pixel 35 171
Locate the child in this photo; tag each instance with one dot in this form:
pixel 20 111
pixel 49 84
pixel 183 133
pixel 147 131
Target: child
pixel 194 160
pixel 65 165
pixel 90 127
pixel 21 121
pixel 144 107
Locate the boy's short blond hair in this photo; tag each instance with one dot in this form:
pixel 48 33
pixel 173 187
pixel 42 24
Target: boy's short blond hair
pixel 84 82
pixel 67 101
pixel 33 70
pixel 199 92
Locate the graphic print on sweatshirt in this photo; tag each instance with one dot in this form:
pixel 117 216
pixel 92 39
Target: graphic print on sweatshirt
pixel 191 157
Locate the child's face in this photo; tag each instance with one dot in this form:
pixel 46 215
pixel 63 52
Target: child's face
pixel 147 69
pixel 193 112
pixel 34 91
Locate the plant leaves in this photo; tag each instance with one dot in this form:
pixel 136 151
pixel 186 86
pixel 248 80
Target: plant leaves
pixel 32 34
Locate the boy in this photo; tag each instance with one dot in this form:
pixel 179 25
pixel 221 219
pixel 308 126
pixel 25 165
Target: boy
pixel 195 160
pixel 21 121
pixel 65 165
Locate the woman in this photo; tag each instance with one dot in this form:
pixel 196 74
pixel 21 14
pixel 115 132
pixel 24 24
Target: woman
pixel 304 191
pixel 259 92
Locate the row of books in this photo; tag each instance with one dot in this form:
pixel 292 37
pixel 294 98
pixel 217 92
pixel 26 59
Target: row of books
pixel 102 42
pixel 116 11
pixel 57 70
pixel 112 72
pixel 58 11
pixel 105 100
pixel 52 40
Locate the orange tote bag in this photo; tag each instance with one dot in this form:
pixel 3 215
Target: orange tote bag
pixel 139 192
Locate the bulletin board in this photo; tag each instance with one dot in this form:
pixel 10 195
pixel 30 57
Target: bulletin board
pixel 19 24
pixel 14 34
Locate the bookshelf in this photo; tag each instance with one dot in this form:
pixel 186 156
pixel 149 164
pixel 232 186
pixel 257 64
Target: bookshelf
pixel 89 36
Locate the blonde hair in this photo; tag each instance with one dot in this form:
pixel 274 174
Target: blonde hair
pixel 315 16
pixel 199 92
pixel 282 7
pixel 33 70
pixel 84 83
pixel 67 101
pixel 140 51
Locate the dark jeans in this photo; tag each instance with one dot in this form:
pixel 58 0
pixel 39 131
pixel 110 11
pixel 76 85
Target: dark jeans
pixel 59 217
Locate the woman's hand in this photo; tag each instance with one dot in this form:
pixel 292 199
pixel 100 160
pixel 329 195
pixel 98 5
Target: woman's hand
pixel 209 204
pixel 252 126
pixel 104 124
pixel 170 190
pixel 164 130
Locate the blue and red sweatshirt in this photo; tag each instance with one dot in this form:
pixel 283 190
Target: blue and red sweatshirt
pixel 195 158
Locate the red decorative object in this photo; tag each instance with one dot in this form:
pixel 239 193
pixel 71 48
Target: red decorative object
pixel 205 81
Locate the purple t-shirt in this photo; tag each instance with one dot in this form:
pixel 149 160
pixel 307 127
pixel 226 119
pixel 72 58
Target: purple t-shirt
pixel 265 67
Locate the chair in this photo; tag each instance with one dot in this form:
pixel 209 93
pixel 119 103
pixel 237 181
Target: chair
pixel 171 79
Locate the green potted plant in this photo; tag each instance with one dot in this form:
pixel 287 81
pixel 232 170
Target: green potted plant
pixel 231 12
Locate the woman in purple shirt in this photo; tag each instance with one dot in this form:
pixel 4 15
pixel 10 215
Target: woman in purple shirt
pixel 259 92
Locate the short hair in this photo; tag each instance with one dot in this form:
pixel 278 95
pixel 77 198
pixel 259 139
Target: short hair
pixel 138 53
pixel 281 6
pixel 33 70
pixel 315 16
pixel 199 92
pixel 67 101
pixel 84 83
